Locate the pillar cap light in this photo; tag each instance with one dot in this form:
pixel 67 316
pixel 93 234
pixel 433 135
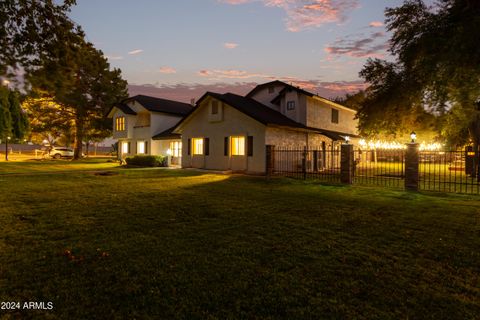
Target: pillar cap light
pixel 347 139
pixel 413 136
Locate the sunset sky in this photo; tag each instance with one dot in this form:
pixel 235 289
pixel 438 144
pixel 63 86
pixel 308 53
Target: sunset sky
pixel 179 49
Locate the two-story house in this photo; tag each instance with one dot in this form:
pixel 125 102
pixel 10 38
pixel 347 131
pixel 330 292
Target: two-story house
pixel 230 132
pixel 142 125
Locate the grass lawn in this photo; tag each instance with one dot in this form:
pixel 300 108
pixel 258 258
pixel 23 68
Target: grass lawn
pixel 51 165
pixel 166 244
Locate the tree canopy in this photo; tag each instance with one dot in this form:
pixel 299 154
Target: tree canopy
pixel 435 72
pixel 26 28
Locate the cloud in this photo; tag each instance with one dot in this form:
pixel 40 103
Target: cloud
pixel 307 14
pixel 186 91
pixel 230 45
pixel 376 24
pixel 359 46
pixel 137 51
pixel 229 74
pixel 167 70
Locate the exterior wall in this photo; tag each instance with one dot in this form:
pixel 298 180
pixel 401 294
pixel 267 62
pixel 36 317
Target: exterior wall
pixel 129 124
pixel 319 115
pixel 234 123
pixel 280 137
pixel 161 122
pixel 263 96
pixel 299 113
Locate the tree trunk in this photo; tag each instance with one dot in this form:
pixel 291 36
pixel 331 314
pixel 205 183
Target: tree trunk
pixel 79 133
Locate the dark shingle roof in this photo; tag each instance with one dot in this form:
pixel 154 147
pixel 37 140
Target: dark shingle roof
pixel 263 114
pixel 289 86
pixel 256 110
pixel 162 105
pixel 125 109
pixel 167 135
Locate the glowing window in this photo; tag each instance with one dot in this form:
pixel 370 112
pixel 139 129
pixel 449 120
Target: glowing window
pixel 125 147
pixel 238 146
pixel 176 148
pixel 120 124
pixel 141 147
pixel 197 144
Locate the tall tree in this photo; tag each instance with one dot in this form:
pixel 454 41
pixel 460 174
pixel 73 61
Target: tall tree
pixel 80 78
pixel 436 69
pixel 26 28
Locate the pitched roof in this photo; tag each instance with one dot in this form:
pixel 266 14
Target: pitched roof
pixel 287 87
pixel 262 114
pixel 263 85
pixel 255 110
pixel 167 135
pixel 125 109
pixel 162 105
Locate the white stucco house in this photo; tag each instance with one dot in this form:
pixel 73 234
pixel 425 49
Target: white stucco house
pixel 230 132
pixel 143 125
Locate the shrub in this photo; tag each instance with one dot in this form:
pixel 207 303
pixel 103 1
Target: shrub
pixel 146 161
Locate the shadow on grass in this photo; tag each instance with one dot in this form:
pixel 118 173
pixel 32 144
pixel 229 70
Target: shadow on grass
pixel 185 244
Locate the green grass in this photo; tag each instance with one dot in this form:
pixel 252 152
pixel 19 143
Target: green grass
pixel 166 244
pixel 50 165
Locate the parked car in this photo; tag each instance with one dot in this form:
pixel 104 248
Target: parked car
pixel 61 152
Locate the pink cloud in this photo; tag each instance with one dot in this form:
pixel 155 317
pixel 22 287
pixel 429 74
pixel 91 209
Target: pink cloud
pixel 306 14
pixel 359 46
pixel 376 24
pixel 167 70
pixel 229 74
pixel 185 91
pixel 230 45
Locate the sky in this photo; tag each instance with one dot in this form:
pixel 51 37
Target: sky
pixel 178 49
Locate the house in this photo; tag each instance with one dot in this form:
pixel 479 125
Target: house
pixel 230 132
pixel 143 125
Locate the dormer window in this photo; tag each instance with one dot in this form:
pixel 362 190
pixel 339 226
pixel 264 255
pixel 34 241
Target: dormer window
pixel 291 105
pixel 120 124
pixel 214 107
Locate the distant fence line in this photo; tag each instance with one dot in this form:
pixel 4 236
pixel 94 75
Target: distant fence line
pixel 412 169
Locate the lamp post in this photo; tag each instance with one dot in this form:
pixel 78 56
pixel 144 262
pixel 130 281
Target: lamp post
pixel 413 136
pixel 6 148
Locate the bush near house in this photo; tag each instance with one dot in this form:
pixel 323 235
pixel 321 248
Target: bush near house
pixel 146 161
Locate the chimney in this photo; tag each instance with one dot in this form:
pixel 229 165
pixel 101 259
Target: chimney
pixel 192 102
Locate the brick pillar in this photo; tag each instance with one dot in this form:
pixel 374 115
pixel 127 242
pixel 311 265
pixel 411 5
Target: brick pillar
pixel 270 157
pixel 411 167
pixel 346 163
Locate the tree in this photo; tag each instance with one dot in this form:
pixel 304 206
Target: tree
pixel 79 77
pixel 26 28
pixel 436 70
pixel 48 120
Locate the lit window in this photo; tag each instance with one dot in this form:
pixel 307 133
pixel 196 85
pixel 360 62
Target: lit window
pixel 125 147
pixel 141 147
pixel 197 144
pixel 334 116
pixel 291 105
pixel 176 148
pixel 120 124
pixel 238 146
pixel 214 107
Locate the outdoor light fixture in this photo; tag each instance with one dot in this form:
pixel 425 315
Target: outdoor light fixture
pixel 347 139
pixel 169 152
pixel 413 136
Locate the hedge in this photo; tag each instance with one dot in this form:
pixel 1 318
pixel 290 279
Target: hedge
pixel 147 161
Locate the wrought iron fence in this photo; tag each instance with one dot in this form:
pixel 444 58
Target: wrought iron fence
pixel 379 167
pixel 448 171
pixel 303 163
pixel 444 171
